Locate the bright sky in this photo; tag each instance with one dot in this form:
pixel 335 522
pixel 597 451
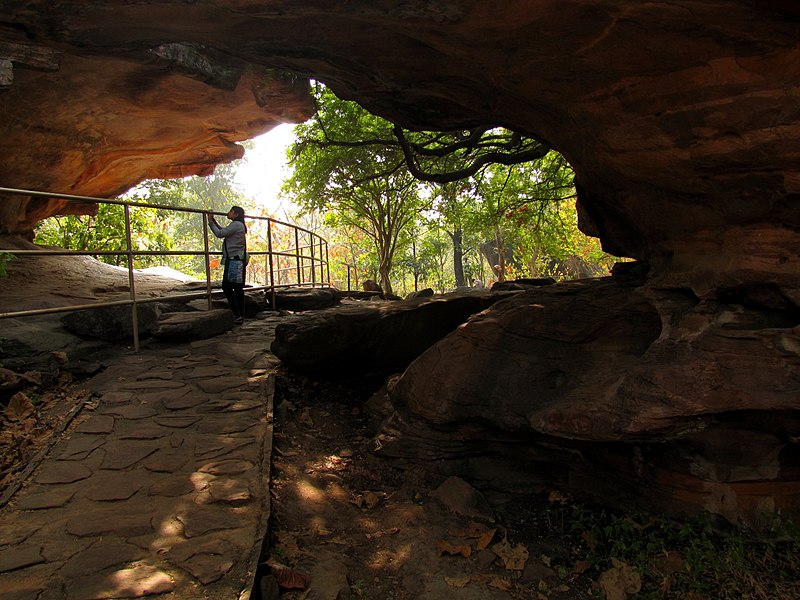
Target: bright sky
pixel 262 170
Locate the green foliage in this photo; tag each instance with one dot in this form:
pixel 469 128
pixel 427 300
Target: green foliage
pixel 152 229
pixel 702 556
pixel 361 184
pixel 5 258
pixel 350 165
pixel 105 232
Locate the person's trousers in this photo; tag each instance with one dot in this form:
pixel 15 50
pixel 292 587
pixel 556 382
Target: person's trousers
pixel 233 286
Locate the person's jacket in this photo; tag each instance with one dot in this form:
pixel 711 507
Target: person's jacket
pixel 233 235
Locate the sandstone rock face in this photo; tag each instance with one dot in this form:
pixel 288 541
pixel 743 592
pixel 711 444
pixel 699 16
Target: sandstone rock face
pixel 373 337
pixel 681 120
pixel 614 392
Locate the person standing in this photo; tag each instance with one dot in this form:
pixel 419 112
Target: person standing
pixel 234 257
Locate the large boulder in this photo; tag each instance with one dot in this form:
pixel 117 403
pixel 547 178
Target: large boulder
pixel 194 325
pixel 628 394
pixel 372 337
pixel 115 323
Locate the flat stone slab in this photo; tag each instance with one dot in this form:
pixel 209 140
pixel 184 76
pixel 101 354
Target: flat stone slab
pixel 131 412
pixel 97 424
pixel 101 555
pixel 133 582
pixel 110 522
pixel 113 488
pixel 172 487
pixel 207 560
pixel 52 498
pixel 200 520
pixel 122 455
pixel 188 401
pixel 80 447
pixel 177 421
pixel 217 385
pixel 63 472
pixel 20 556
pixel 196 325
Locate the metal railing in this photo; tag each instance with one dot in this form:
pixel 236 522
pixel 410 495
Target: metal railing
pixel 302 263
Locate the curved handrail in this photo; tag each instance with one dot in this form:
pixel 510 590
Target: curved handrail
pixel 310 258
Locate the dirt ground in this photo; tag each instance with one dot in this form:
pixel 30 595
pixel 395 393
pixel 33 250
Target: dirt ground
pixel 346 521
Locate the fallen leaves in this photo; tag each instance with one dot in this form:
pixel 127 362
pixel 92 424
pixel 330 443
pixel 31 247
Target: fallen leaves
pixel 620 581
pixel 30 418
pixel 369 500
pixel 19 407
pixel 513 557
pixel 287 578
pixel 454 548
pixel 462 540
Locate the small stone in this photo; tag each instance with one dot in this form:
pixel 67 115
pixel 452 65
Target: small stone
pixel 463 499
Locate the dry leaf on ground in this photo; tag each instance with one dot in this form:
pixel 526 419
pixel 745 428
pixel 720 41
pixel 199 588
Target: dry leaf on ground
pixel 513 557
pixel 620 581
pixel 478 531
pixel 287 578
pixel 458 582
pixel 459 547
pixel 19 407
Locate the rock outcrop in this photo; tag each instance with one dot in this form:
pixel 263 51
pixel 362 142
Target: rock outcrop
pixel 632 393
pixel 373 337
pixel 681 120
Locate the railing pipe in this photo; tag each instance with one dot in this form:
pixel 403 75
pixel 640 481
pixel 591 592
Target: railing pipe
pixel 271 264
pixel 130 254
pixel 313 265
pixel 207 259
pixel 131 280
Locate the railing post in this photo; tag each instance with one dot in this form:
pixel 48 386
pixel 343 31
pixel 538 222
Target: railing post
pixel 297 255
pixel 271 258
pixel 313 265
pixel 328 263
pixel 131 279
pixel 321 264
pixel 207 257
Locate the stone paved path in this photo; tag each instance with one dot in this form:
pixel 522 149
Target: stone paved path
pixel 159 485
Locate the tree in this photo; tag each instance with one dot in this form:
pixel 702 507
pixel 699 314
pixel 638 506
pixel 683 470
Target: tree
pixel 105 232
pixel 482 182
pixel 364 184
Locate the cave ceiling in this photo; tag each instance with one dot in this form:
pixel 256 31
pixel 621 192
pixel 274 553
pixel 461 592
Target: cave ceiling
pixel 681 119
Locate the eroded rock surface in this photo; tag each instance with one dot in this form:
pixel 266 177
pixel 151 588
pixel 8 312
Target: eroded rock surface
pixel 680 119
pixel 372 337
pixel 631 392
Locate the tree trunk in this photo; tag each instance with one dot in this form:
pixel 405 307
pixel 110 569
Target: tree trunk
pixel 500 268
pixel 384 270
pixel 458 257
